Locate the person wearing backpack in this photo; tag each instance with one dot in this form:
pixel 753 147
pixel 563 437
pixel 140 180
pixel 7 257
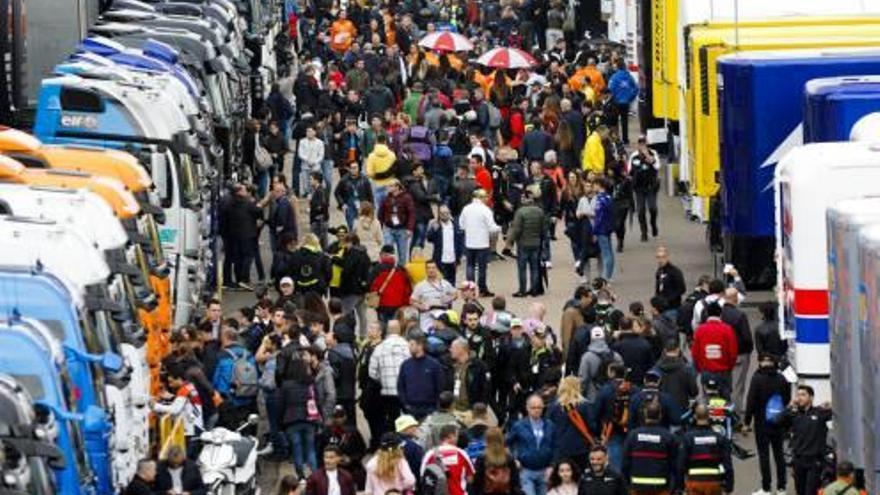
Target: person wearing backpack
pixel 624 90
pixel 593 369
pixel 704 465
pixel 572 416
pixel 236 380
pixel 611 411
pixel 845 482
pixel 495 470
pixel 446 469
pixel 768 385
pixel 651 394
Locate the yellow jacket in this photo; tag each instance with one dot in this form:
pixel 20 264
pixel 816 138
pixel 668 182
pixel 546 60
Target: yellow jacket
pixel 380 162
pixel 593 159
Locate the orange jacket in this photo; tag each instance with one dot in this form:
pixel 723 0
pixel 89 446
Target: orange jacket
pixel 342 35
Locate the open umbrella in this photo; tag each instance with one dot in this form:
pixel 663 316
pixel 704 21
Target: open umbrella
pixel 507 58
pixel 445 41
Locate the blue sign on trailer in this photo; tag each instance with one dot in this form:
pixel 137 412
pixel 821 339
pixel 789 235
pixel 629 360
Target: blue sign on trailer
pixel 762 111
pixel 833 105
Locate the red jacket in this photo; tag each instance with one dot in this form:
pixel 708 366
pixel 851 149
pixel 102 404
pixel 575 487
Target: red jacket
pixel 398 291
pixel 406 211
pixel 714 347
pixel 483 178
pixel 517 128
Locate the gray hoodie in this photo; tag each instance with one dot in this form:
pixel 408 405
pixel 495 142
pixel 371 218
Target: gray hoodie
pixel 591 363
pixel 325 390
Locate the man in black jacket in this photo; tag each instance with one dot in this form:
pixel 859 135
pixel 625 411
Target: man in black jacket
pixel 319 205
pixel 341 355
pixel 142 483
pixel 469 379
pixel 238 220
pixel 767 382
pixel 312 272
pixel 669 282
pixel 601 479
pixel 809 438
pixel 179 474
pixel 417 186
pixel 704 464
pixel 353 189
pixel 679 377
pixel 355 281
pixel 635 350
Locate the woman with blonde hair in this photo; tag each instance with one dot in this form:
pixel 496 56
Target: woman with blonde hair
pixel 388 469
pixel 573 437
pixel 369 230
pixel 495 470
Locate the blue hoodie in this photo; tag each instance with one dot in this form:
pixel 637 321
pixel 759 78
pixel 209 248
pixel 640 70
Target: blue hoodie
pixel 603 221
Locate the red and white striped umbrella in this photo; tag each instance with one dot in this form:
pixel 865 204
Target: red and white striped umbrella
pixel 507 58
pixel 445 41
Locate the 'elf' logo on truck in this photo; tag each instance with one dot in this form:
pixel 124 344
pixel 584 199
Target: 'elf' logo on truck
pixel 79 121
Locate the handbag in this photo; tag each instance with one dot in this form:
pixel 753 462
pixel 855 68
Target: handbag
pixel 312 412
pixel 262 158
pixel 373 297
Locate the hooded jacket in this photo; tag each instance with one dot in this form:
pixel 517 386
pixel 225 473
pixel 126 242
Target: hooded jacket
pixel 679 380
pixel 312 270
pixel 379 162
pixel 590 365
pixel 765 383
pixel 715 347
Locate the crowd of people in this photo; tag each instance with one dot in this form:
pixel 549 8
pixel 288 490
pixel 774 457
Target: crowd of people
pixel 434 162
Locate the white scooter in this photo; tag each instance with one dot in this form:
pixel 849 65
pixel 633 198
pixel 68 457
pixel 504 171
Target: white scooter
pixel 228 460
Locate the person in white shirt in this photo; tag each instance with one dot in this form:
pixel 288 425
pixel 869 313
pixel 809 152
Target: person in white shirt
pixel 311 155
pixel 478 224
pixel 433 293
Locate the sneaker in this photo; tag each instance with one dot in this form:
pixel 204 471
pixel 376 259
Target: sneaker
pixel 761 492
pixel 519 294
pixel 245 286
pixel 577 265
pixel 781 491
pixel 548 264
pixel 487 293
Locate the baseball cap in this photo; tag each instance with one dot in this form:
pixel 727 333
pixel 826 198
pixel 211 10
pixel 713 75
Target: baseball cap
pixel 286 281
pixel 516 322
pixel 403 422
pixel 389 440
pixel 597 333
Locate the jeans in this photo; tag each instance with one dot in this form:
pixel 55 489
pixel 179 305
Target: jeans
pixel 574 232
pixel 229 262
pixel 305 185
pixel 399 238
pixel 740 374
pixel 770 441
pixel 351 215
pixel 532 481
pixel 607 254
pixel 527 260
pixel 477 259
pixel 615 451
pixel 379 194
pixel 327 172
pixel 301 436
pixel 258 260
pixel 647 200
pixel 263 179
pixel 418 237
pixel 390 407
pixel 273 411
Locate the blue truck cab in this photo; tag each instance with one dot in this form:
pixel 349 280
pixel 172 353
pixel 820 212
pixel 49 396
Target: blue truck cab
pixel 81 319
pixel 33 357
pixel 762 114
pixel 834 105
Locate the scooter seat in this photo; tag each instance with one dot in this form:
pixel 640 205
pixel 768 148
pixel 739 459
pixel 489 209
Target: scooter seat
pixel 242 449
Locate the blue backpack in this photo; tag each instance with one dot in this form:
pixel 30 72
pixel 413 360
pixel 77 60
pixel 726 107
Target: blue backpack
pixel 773 409
pixel 475 448
pixel 626 90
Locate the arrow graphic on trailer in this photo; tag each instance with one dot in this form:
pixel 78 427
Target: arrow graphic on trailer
pixel 795 138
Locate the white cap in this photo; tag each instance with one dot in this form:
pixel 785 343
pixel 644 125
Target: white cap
pixel 286 281
pixel 597 333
